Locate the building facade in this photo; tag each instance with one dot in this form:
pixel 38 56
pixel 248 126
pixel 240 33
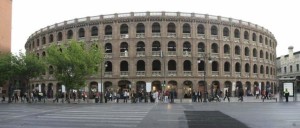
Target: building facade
pixel 5 32
pixel 168 50
pixel 5 25
pixel 288 67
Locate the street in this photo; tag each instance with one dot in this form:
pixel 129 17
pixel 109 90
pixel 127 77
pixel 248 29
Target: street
pixel 151 115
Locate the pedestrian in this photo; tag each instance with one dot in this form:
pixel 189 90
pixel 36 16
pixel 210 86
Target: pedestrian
pixel 226 96
pixel 125 96
pixel 241 94
pixel 286 94
pixel 56 97
pixel 257 93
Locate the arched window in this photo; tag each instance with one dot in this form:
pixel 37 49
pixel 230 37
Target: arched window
pixel 200 29
pixel 171 28
pixel 246 35
pixel 171 46
pixel 186 28
pixel 237 67
pixel 108 48
pixel 267 70
pixel 226 49
pixel 140 46
pixel 172 65
pixel 156 46
pixel 70 34
pixel 108 67
pixel 214 48
pixel 124 66
pixel 124 29
pixel 108 30
pixel 237 50
pixel 44 40
pixel 187 65
pixel 225 31
pixel 201 65
pixel 214 30
pixel 266 41
pixel 140 28
pixel 140 65
pixel 94 31
pixel 124 47
pixel 267 55
pixel 59 36
pixel 201 47
pixel 254 52
pixel 81 33
pixel 261 69
pixel 156 66
pixel 261 54
pixel 247 68
pixel 186 46
pixel 155 28
pixel 236 33
pixel 50 38
pixel 226 67
pixel 37 42
pixel 215 66
pixel 260 39
pixel 253 37
pixel 254 68
pixel 247 51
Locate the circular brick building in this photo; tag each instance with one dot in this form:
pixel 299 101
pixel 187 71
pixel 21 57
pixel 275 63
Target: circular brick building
pixel 162 51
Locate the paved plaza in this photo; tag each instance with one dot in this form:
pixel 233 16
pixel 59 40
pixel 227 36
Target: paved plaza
pixel 151 115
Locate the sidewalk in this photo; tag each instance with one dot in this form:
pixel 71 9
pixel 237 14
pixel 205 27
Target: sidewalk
pixel 247 99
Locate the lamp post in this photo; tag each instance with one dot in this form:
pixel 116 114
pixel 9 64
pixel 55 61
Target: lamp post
pixel 204 75
pixel 101 81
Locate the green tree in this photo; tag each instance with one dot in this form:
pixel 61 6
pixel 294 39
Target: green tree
pixel 21 67
pixel 74 62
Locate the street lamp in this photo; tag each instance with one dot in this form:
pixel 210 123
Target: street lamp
pixel 101 81
pixel 204 75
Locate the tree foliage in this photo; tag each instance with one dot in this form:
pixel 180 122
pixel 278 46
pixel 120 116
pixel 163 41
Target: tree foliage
pixel 20 67
pixel 73 62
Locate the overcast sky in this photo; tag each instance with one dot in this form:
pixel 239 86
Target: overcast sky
pixel 280 17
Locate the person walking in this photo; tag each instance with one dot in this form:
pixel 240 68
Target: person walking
pixel 125 96
pixel 241 94
pixel 286 95
pixel 226 96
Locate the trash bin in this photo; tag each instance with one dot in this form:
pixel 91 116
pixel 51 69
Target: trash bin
pixel 96 100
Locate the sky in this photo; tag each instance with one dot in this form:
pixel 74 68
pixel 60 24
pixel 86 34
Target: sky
pixel 281 17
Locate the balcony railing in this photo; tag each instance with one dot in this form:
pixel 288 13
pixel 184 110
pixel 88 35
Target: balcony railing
pixel 215 73
pixel 140 35
pixel 226 55
pixel 81 39
pixel 186 35
pixel 94 38
pixel 186 53
pixel 236 40
pixel 255 75
pixel 156 73
pixel 172 73
pixel 227 74
pixel 108 55
pixel 171 53
pixel 201 36
pixel 214 37
pixel 140 54
pixel 225 38
pixel 201 73
pixel 124 36
pixel 238 74
pixel 171 34
pixel 124 54
pixel 107 74
pixel 107 37
pixel 140 73
pixel 156 35
pixel 124 73
pixel 156 53
pixel 246 41
pixel 187 73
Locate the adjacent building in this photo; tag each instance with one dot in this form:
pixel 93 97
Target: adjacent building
pixel 167 50
pixel 288 67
